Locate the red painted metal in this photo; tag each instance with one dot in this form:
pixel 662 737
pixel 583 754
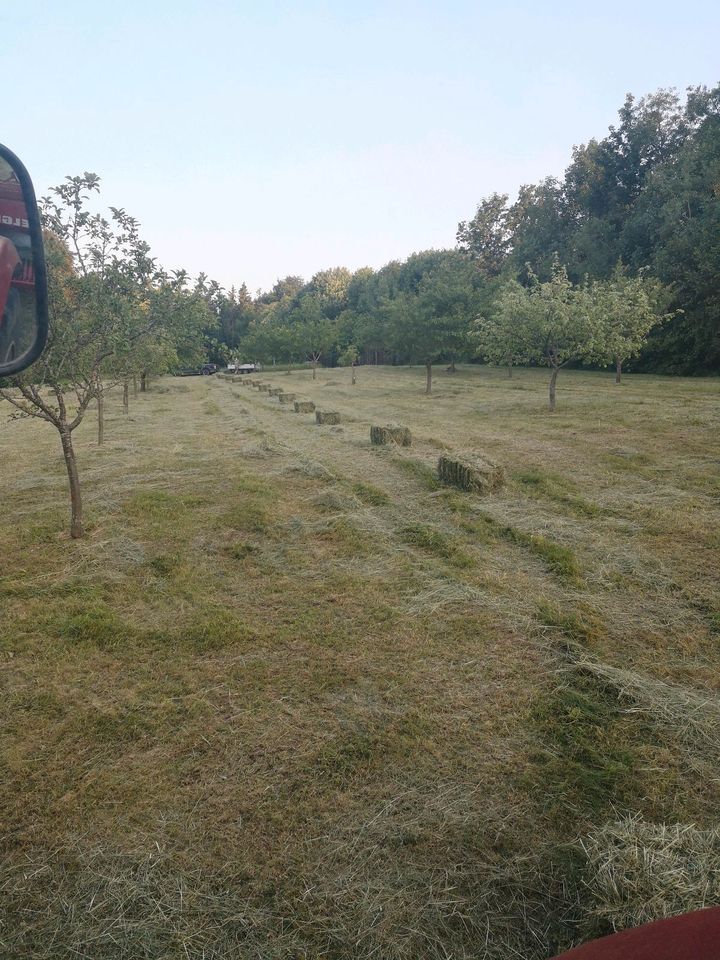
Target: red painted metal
pixel 691 936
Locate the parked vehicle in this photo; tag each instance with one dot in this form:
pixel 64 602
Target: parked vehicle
pixel 242 367
pixel 205 370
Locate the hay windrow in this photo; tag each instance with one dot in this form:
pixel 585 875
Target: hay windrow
pixel 390 434
pixel 472 473
pixel 327 416
pixel 639 871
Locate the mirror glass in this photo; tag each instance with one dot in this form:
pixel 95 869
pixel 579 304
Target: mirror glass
pixel 23 287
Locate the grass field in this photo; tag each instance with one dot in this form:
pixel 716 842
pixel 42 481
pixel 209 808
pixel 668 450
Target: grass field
pixel 290 698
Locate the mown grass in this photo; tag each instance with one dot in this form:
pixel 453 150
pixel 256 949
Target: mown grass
pixel 289 699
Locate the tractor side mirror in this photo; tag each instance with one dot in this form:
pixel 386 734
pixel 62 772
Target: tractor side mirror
pixel 23 275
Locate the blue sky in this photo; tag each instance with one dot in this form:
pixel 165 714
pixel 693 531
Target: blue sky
pixel 258 140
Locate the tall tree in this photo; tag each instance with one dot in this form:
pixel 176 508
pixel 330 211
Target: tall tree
pixel 487 237
pixel 431 314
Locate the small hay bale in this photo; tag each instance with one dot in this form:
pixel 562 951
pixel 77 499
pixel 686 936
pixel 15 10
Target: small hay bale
pixel 275 391
pixel 326 416
pixel 304 406
pixel 477 474
pixel 390 434
pixel 263 387
pixel 286 397
pixel 236 379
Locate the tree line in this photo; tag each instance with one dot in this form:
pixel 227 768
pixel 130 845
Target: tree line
pixel 634 225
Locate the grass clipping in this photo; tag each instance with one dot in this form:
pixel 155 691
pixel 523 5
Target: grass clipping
pixel 639 871
pixel 473 473
pixel 390 434
pixel 327 416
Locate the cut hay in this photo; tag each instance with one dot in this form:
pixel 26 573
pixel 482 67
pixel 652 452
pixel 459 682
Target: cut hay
pixel 326 416
pixel 390 434
pixel 639 871
pixel 275 391
pixel 286 397
pixel 304 406
pixel 691 715
pixel 476 474
pixel 263 387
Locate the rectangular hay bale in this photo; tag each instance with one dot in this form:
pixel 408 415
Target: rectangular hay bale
pixel 304 406
pixel 286 397
pixel 390 434
pixel 470 472
pixel 327 416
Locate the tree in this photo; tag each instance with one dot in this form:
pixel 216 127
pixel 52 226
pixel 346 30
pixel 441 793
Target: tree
pixel 315 333
pixel 104 291
pixel 627 309
pixel 349 358
pixel 430 318
pixel 487 238
pixel 553 325
pixel 499 338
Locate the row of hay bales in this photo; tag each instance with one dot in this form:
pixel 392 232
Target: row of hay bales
pixel 299 406
pixel 470 472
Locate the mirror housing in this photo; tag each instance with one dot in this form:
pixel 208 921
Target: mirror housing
pixel 23 273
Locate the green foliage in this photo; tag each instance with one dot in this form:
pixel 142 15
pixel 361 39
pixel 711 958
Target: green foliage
pixel 645 196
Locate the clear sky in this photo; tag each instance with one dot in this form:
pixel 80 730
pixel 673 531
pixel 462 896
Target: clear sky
pixel 255 140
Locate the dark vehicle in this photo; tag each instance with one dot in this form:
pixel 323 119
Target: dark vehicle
pixel 204 371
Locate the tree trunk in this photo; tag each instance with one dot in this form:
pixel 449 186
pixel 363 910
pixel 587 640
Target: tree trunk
pixel 76 518
pixel 553 381
pixel 428 383
pixel 452 367
pixel 134 386
pixel 509 368
pixel 618 369
pixel 314 366
pixel 101 413
pixel 126 397
pixel 143 381
pixel 354 378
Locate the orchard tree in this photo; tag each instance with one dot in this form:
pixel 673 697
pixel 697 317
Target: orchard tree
pixel 627 309
pixel 553 326
pixel 500 338
pixel 349 358
pixel 316 334
pixel 100 276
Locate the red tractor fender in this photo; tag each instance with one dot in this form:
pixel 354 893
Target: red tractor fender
pixel 691 936
pixel 9 262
